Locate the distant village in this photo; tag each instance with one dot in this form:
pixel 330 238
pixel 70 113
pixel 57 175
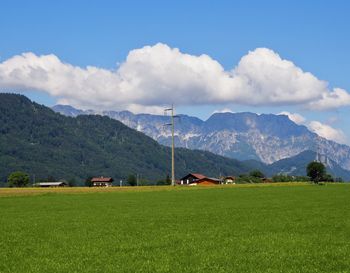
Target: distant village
pixel 191 179
pixel 316 172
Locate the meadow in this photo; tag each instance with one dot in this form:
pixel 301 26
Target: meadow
pixel 280 228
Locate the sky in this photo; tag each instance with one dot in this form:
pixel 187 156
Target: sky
pixel 287 57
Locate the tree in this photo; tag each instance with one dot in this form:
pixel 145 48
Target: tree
pixel 18 179
pixel 289 178
pixel 132 180
pixel 88 182
pixel 257 174
pixel 302 178
pixel 244 178
pixel 72 182
pixel 50 178
pixel 282 178
pixel 316 171
pixel 339 179
pixel 166 181
pixel 328 178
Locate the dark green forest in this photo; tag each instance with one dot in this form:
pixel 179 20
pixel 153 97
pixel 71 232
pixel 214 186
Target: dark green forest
pixel 36 140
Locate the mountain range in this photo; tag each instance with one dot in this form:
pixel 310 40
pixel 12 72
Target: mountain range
pixel 37 140
pixel 266 137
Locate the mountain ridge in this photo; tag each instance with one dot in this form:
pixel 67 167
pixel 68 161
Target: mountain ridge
pixel 264 137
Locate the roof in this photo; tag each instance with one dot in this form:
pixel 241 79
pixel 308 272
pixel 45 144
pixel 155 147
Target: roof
pixel 51 183
pixel 198 175
pixel 230 177
pixel 102 179
pixel 194 175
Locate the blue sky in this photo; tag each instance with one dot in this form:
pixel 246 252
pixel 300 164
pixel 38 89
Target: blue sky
pixel 314 35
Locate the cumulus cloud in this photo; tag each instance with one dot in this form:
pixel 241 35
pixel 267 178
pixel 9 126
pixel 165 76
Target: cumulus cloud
pixel 321 129
pixel 328 132
pixel 295 117
pixel 269 80
pixel 156 75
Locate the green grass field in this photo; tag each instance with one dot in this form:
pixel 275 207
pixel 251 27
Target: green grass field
pixel 302 228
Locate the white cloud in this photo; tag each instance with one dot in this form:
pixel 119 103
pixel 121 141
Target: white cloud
pixel 270 80
pixel 156 75
pixel 295 117
pixel 337 98
pixel 224 110
pixel 321 129
pixel 328 132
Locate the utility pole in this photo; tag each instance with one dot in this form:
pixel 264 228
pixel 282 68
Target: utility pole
pixel 172 143
pixel 316 151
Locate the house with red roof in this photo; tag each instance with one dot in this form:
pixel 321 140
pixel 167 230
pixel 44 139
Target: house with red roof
pixel 102 181
pixel 191 178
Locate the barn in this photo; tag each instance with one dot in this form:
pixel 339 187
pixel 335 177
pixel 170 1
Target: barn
pixel 51 184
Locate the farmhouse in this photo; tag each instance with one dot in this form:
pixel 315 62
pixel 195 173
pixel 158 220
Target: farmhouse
pixel 229 180
pixel 190 178
pixel 193 179
pixel 102 181
pixel 51 184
